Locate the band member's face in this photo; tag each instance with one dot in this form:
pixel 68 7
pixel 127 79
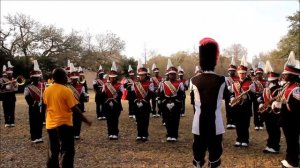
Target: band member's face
pixel 156 73
pixel 9 75
pixel 35 79
pixel 74 80
pixel 286 77
pixel 259 75
pixel 172 76
pixel 231 73
pixel 142 77
pixel 181 76
pixel 112 79
pixel 242 75
pixel 100 75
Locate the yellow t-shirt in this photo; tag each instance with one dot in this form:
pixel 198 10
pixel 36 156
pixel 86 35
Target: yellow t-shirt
pixel 59 100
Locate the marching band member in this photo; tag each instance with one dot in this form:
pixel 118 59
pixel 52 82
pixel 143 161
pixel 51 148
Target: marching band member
pixel 156 80
pixel 98 85
pixel 9 87
pixel 143 90
pixel 289 105
pixel 170 97
pixel 208 88
pixel 127 85
pixel 186 86
pixel 260 84
pixel 34 97
pixel 229 81
pixel 79 93
pixel 241 99
pixel 271 118
pixel 83 82
pixel 112 102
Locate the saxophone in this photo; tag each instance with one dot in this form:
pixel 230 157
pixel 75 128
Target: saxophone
pixel 268 104
pixel 239 98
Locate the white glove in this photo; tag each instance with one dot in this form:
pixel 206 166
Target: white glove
pixel 170 106
pixel 111 104
pixel 276 104
pixel 259 99
pixel 8 87
pixel 139 104
pixel 229 88
pixel 260 106
pixel 158 101
pixel 231 99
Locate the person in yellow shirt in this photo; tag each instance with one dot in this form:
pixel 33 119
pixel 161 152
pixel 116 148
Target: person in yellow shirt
pixel 60 103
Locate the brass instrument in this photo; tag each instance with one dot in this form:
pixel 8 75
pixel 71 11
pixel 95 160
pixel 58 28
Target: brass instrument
pixel 20 80
pixel 268 104
pixel 82 79
pixel 239 98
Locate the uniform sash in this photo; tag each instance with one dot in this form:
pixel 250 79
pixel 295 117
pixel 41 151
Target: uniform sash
pixel 155 80
pixel 75 92
pixel 111 88
pixel 140 89
pixel 171 87
pixel 35 92
pixel 100 82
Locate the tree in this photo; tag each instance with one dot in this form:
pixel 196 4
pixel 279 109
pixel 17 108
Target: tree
pixel 24 34
pixel 235 50
pixel 109 45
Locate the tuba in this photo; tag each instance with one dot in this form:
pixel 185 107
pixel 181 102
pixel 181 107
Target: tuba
pixel 82 79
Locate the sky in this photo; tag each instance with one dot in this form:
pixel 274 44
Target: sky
pixel 167 27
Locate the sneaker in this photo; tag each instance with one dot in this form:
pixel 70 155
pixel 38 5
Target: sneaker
pixel 228 126
pixel 40 140
pixel 76 137
pixel 157 115
pixel 286 164
pixel 182 115
pixel 114 136
pixel 144 138
pixel 271 150
pixel 256 128
pixel 261 128
pixel 138 138
pixel 174 139
pixel 164 124
pixel 7 125
pixel 35 141
pixel 244 144
pixel 233 126
pixel 266 150
pixel 103 118
pixel 237 144
pixel 110 136
pixel 169 139
pixel 44 123
pixel 130 116
pixel 99 118
pixel 12 125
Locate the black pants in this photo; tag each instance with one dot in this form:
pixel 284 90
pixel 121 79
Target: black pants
pixel 258 121
pixel 130 107
pixel 182 109
pixel 35 122
pixel 172 121
pixel 153 103
pixel 61 142
pixel 142 118
pixel 99 109
pixel 77 122
pixel 9 110
pixel 273 129
pixel 112 120
pixel 243 116
pixel 229 112
pixel 212 144
pixel 292 143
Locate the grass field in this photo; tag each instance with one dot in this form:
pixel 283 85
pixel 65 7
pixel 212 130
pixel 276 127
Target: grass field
pixel 95 150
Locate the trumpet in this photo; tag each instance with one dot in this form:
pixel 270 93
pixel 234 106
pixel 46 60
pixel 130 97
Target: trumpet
pixel 239 98
pixel 20 80
pixel 82 79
